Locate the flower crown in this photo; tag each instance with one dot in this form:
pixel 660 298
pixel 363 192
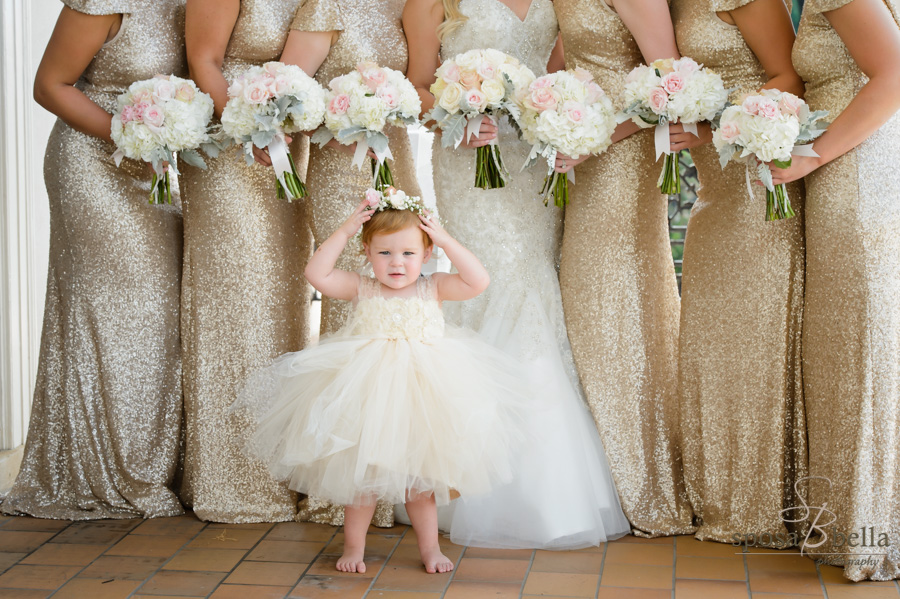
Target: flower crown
pixel 395 199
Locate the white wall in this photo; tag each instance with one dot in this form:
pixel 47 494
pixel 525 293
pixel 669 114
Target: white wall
pixel 25 27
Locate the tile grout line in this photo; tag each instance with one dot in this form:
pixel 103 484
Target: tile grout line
pixel 386 560
pixel 602 563
pixel 746 571
pixel 674 562
pixel 56 534
pixel 171 557
pixel 527 571
pixel 246 553
pixel 821 580
pixel 334 533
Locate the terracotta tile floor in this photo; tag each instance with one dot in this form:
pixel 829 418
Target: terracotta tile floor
pixel 182 557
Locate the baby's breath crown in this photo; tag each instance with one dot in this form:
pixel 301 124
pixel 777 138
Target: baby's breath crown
pixel 395 199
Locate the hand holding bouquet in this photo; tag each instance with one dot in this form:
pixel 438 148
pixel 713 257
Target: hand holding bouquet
pixel 768 128
pixel 565 112
pixel 673 91
pixel 475 85
pixel 265 103
pixel 359 106
pixel 155 119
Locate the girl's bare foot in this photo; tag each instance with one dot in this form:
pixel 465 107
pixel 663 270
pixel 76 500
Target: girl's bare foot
pixel 434 560
pixel 352 560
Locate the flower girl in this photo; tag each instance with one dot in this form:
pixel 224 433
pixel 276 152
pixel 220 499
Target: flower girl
pixel 395 406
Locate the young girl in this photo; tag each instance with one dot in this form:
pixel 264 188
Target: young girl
pixel 394 406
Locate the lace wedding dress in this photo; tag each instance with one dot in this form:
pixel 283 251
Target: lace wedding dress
pixel 562 495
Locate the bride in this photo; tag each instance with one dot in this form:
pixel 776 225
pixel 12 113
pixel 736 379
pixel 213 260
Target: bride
pixel 562 496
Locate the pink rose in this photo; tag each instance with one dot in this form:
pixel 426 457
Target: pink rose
pixel 595 92
pixel 272 68
pixel 373 75
pixel 751 105
pixel 185 93
pixel 373 197
pixel 469 79
pixel 686 65
pixel 658 99
pixel 790 104
pixel 389 95
pixel 729 132
pixel 476 99
pixel 541 82
pixel 486 70
pixel 768 108
pixel 339 104
pixel 574 111
pixel 279 86
pixel 154 116
pixel 257 92
pixel 673 82
pixel 142 95
pixel 543 98
pixel 452 73
pixel 127 114
pixel 164 89
pixel 139 110
pixel 582 75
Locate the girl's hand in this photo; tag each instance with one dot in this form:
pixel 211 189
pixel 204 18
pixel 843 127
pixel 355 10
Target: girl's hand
pixel 679 139
pixel 356 220
pixel 800 167
pixel 262 156
pixel 438 235
pixel 565 163
pixel 486 134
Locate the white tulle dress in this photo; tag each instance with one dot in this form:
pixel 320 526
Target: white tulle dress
pixel 395 401
pixel 562 495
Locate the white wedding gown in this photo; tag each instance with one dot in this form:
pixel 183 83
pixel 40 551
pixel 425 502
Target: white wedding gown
pixel 562 495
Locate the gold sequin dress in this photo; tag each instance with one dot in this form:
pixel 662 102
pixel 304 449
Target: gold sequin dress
pixel 851 320
pixel 619 291
pixel 245 299
pixel 741 305
pixel 105 427
pixel 367 30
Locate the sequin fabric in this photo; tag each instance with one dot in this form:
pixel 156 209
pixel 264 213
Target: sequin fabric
pixel 367 30
pixel 104 435
pixel 245 300
pixel 851 323
pixel 741 308
pixel 619 291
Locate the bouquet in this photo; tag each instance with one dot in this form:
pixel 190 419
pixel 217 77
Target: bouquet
pixel 565 112
pixel 359 106
pixel 155 119
pixel 767 128
pixel 265 103
pixel 475 85
pixel 673 91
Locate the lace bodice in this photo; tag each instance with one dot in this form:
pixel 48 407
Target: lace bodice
pixel 531 40
pixel 418 317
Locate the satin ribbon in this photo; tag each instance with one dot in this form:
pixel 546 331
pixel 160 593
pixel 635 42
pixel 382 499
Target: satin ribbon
pixel 362 149
pixel 278 152
pixel 473 128
pixel 661 137
pixel 804 150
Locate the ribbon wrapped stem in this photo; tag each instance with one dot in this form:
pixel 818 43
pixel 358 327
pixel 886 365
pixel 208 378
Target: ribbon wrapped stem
pixel 287 181
pixel 381 175
pixel 778 206
pixel 160 186
pixel 670 178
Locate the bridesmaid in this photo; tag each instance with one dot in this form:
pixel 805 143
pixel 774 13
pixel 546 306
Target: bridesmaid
pixel 616 272
pixel 330 38
pixel 106 420
pixel 245 299
pixel 847 52
pixel 741 295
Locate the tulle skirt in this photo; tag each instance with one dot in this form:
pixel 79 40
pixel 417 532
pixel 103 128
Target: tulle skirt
pixel 358 418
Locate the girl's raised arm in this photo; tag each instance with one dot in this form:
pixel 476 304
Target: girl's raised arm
pixel 320 270
pixel 471 278
pixel 75 41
